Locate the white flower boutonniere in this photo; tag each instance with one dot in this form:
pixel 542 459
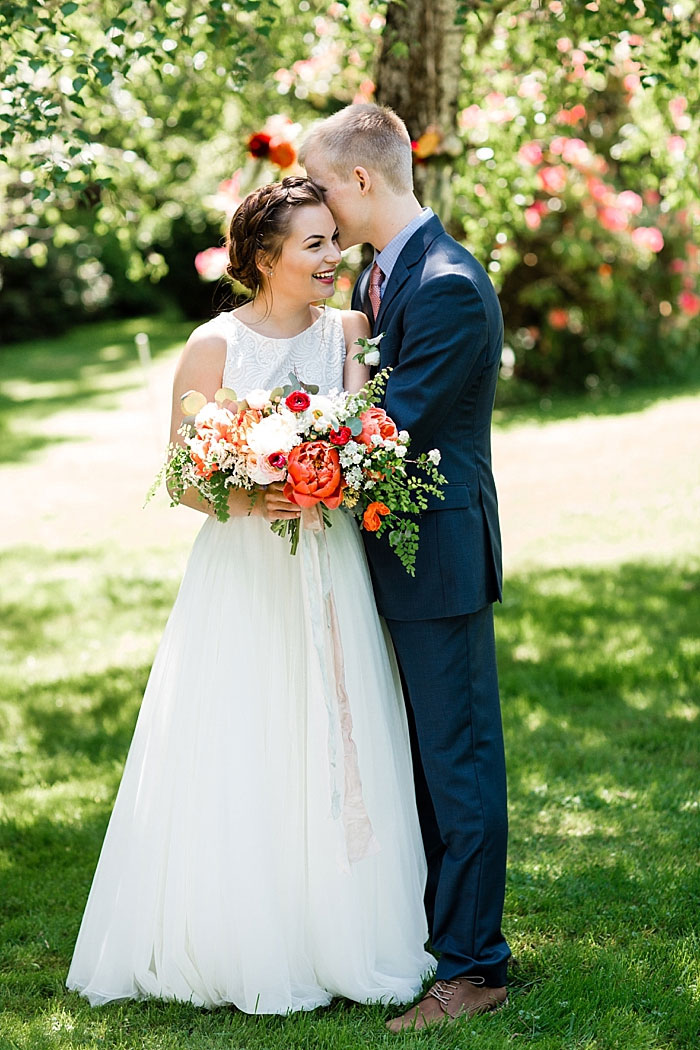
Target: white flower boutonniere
pixel 369 354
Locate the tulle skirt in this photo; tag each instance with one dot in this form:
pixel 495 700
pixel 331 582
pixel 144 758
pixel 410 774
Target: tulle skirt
pixel 264 848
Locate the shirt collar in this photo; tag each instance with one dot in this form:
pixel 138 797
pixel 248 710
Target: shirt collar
pixel 386 258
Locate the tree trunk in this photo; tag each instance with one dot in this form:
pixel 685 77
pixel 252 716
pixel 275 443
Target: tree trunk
pixel 418 76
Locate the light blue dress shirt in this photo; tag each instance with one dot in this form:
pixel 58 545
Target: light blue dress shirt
pixel 386 258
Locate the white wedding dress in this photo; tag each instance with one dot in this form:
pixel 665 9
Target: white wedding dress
pixel 264 848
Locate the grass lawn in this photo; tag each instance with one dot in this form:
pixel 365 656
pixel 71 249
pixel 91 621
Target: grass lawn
pixel 599 660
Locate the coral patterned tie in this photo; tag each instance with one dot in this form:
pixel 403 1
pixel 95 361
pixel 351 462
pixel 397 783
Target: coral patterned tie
pixel 375 279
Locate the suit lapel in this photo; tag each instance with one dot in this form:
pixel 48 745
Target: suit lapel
pixel 412 252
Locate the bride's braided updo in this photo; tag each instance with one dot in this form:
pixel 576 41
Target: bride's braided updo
pixel 260 227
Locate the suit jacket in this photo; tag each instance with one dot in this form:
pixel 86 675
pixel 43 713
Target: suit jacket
pixel 443 335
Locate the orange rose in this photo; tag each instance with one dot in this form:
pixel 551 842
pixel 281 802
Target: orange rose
pixel 314 475
pixel 375 421
pixel 371 519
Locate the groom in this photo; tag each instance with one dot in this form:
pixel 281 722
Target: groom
pixel 442 337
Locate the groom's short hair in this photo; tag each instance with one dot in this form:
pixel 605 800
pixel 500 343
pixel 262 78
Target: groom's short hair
pixel 368 136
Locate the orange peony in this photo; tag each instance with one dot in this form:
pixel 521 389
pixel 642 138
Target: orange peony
pixel 371 519
pixel 282 153
pixel 314 475
pixel 375 421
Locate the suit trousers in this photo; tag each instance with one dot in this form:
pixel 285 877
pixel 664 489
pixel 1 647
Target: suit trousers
pixel 448 668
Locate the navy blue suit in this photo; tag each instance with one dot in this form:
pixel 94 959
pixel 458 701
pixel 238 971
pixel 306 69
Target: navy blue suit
pixel 443 334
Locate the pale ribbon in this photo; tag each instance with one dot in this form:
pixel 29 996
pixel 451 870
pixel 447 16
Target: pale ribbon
pixel 347 802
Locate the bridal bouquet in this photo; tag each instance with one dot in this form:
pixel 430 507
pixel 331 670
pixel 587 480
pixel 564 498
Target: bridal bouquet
pixel 330 450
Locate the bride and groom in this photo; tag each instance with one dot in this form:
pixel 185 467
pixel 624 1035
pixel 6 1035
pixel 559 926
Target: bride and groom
pixel 251 858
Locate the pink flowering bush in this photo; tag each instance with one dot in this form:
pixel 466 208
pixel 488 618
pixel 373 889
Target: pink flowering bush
pixel 575 189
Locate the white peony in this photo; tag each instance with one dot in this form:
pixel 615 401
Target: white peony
pixel 274 433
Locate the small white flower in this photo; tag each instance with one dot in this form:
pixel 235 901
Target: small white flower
pixel 404 437
pixel 434 456
pixel 376 340
pixel 376 439
pixel 400 451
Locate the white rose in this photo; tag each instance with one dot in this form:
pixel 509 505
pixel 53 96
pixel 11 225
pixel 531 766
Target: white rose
pixel 372 357
pixel 258 398
pixel 434 456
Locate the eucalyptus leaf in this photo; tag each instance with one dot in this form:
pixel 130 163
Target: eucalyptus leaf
pixel 310 388
pixel 355 426
pixel 192 402
pixel 276 393
pixel 225 393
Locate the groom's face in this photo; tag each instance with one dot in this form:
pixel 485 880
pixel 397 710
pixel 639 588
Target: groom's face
pixel 343 198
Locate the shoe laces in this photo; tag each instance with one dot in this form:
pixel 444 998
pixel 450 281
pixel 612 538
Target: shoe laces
pixel 444 990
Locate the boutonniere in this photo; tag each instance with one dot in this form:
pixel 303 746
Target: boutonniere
pixel 369 354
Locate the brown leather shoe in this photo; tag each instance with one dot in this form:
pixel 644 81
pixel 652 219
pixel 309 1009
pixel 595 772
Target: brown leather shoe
pixel 448 1000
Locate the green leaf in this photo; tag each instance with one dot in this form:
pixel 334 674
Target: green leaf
pixel 68 9
pixel 355 426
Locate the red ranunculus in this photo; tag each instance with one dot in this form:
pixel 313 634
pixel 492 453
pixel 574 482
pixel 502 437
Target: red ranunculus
pixel 259 144
pixel 341 436
pixel 278 460
pixel 297 401
pixel 314 475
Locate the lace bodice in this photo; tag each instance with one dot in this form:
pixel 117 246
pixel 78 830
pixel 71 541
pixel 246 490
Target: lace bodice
pixel 255 361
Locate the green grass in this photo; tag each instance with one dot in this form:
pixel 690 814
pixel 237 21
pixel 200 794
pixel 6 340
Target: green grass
pixel 599 673
pixel 88 367
pixel 601 700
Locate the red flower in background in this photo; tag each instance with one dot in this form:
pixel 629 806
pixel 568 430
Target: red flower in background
pixel 259 145
pixel 282 153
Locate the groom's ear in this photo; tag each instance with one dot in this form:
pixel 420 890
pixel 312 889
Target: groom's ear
pixel 362 179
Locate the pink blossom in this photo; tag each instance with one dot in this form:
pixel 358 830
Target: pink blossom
pixel 631 83
pixel 494 100
pixel 635 40
pixel 365 92
pixel 630 201
pixel 652 196
pixel 600 191
pixel 211 263
pixel 533 219
pixel 676 144
pixel 613 219
pixel 579 57
pixel 552 179
pixel 648 238
pixel 564 44
pixel 575 151
pixel 571 116
pixel 689 303
pixel 530 153
pixel 470 117
pixel 677 266
pixel 677 107
pixel 530 87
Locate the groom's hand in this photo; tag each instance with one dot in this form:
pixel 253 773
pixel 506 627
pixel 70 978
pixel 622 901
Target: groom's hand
pixel 274 505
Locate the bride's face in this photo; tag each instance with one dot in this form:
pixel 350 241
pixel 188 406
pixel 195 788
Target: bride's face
pixel 305 268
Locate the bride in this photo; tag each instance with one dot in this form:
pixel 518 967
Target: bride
pixel 264 848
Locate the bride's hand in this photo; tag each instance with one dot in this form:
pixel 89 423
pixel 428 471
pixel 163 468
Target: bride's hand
pixel 273 505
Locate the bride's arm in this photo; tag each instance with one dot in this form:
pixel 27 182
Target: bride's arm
pixel 201 367
pixel 355 326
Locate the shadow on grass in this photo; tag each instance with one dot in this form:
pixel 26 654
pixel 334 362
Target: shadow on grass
pixel 78 370
pixel 599 672
pixel 514 406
